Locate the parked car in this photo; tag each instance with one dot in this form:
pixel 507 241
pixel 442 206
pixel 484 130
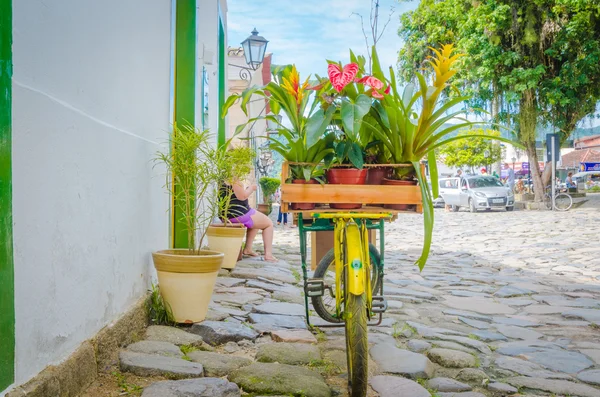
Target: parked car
pixel 476 193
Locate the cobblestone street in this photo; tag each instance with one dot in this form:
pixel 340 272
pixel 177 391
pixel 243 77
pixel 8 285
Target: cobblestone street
pixel 508 305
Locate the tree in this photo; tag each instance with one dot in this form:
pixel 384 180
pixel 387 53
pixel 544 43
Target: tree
pixel 471 153
pixel 529 62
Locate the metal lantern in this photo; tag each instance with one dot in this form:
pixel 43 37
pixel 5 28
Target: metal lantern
pixel 254 47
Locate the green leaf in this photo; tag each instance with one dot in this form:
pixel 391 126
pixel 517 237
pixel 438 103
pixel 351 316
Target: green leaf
pixel 307 171
pixel 427 215
pixel 317 124
pixel 355 155
pixel 433 171
pixel 228 103
pixel 353 112
pixel 340 151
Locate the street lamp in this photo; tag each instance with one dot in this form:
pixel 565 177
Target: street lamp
pixel 514 159
pixel 254 48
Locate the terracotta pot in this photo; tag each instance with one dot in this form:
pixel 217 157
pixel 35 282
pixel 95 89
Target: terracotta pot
pixel 265 209
pixel 303 206
pixel 227 239
pixel 186 282
pixel 396 182
pixel 375 176
pixel 346 176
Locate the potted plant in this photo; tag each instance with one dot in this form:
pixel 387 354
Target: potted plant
pixel 352 93
pixel 231 164
pixel 303 143
pixel 268 187
pixel 187 276
pixel 413 123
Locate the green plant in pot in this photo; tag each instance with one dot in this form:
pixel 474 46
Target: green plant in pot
pixel 187 276
pixel 232 164
pixel 304 143
pixel 268 187
pixel 413 123
pixel 352 93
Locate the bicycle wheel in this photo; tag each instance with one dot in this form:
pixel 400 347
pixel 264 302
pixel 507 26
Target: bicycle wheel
pixel 325 305
pixel 357 345
pixel 563 202
pixel 548 201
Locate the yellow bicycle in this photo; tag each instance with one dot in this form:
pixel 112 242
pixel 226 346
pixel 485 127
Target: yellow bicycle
pixel 351 275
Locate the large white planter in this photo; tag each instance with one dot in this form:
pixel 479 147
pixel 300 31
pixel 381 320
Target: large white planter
pixel 186 282
pixel 228 240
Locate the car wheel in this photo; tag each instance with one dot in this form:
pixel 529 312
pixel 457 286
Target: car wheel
pixel 510 208
pixel 472 207
pixel 455 208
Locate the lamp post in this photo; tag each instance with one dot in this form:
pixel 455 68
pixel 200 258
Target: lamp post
pixel 514 160
pixel 254 48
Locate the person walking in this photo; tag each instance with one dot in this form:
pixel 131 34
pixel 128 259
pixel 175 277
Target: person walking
pixel 282 216
pixel 510 179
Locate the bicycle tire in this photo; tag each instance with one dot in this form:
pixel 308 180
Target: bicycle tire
pixel 563 202
pixel 326 310
pixel 548 201
pixel 357 345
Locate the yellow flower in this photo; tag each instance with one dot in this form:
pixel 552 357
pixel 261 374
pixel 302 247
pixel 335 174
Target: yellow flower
pixel 442 64
pixel 293 87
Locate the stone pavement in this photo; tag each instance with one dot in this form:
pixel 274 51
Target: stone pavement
pixel 508 305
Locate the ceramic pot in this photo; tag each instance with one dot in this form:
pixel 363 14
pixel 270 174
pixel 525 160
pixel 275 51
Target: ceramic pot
pixel 265 209
pixel 227 239
pixel 375 176
pixel 303 206
pixel 186 282
pixel 396 182
pixel 346 176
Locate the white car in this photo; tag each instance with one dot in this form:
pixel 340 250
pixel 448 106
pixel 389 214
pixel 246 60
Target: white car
pixel 476 193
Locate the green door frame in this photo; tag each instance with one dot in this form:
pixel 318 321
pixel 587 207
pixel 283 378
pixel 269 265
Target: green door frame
pixel 185 94
pixel 222 134
pixel 7 283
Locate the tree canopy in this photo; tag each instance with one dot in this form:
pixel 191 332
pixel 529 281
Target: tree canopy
pixel 530 62
pixel 471 153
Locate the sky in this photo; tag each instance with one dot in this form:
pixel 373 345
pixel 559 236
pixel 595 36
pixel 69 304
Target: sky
pixel 308 32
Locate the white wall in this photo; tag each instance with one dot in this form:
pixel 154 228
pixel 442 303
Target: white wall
pixel 90 102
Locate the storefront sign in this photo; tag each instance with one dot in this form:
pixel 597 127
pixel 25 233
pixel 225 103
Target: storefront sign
pixel 589 167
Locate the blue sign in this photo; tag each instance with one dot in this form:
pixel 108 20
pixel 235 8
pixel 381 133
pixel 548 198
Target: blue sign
pixel 589 167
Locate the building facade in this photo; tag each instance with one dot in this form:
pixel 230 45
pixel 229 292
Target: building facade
pixel 90 91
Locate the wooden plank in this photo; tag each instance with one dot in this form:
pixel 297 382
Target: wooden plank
pixel 359 194
pixel 369 208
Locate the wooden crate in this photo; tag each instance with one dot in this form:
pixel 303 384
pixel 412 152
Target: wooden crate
pixel 368 195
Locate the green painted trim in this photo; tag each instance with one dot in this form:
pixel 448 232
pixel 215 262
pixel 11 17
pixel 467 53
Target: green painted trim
pixel 222 83
pixel 185 91
pixel 7 277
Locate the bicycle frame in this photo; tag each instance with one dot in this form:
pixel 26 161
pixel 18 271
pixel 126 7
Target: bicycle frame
pixel 355 263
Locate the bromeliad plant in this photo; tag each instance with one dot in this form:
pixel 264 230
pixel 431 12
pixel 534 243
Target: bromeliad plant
pixel 305 141
pixel 413 123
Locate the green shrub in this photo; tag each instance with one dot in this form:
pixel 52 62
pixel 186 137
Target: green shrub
pixel 268 186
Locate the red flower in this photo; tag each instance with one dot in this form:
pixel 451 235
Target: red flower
pixel 341 77
pixel 372 82
pixel 375 84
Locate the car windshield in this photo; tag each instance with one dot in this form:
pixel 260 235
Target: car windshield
pixel 484 182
